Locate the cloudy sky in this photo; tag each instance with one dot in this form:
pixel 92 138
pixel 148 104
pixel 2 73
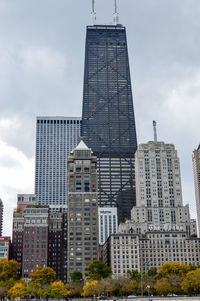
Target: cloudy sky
pixel 41 73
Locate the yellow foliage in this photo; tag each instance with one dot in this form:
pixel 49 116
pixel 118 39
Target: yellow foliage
pixel 90 288
pixel 16 291
pixel 191 283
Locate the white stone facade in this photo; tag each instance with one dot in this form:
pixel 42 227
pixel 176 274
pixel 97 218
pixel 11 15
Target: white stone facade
pixel 108 222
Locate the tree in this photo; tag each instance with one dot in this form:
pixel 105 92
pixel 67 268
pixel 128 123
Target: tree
pixel 174 268
pixel 76 276
pixel 152 271
pixel 43 276
pixel 191 282
pixel 169 284
pixel 58 290
pixel 90 289
pixel 18 290
pixel 134 275
pixel 8 270
pixel 98 270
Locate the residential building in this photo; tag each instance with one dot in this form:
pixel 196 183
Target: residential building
pixel 131 251
pixel 108 223
pixel 5 247
pixel 35 239
pixel 1 217
pixel 82 210
pixel 108 122
pixel 158 190
pixel 55 139
pixel 55 243
pixel 196 170
pixel 23 200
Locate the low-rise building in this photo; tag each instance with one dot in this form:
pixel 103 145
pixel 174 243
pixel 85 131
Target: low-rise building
pixel 5 247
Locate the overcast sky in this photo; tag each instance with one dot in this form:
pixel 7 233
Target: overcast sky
pixel 41 73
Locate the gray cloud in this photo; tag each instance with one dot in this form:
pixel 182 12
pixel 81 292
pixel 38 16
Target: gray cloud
pixel 42 61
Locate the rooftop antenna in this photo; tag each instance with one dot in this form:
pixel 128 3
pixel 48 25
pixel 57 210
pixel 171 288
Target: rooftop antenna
pixel 93 14
pixel 155 131
pixel 116 14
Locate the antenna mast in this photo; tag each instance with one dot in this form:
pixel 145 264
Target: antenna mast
pixel 93 14
pixel 155 131
pixel 116 14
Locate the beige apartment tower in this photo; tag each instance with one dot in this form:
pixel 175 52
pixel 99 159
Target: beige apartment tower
pixel 196 169
pixel 82 209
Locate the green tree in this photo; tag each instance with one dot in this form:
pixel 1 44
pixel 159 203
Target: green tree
pixel 191 283
pixel 134 275
pixel 153 271
pixel 43 276
pixel 76 276
pixel 98 270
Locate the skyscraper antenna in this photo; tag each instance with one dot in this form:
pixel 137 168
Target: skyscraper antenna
pixel 93 14
pixel 155 131
pixel 116 14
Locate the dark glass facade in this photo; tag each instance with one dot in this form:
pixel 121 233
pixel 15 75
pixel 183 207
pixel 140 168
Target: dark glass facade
pixel 108 123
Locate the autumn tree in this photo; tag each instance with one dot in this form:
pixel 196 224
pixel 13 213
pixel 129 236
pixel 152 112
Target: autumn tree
pixel 169 284
pixel 43 276
pixel 98 270
pixel 58 290
pixel 19 289
pixel 174 268
pixel 8 269
pixel 91 289
pixel 191 282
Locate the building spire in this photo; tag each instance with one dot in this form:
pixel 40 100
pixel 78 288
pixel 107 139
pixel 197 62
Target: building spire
pixel 93 13
pixel 155 131
pixel 116 14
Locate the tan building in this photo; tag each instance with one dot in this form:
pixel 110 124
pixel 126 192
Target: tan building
pixel 159 204
pixel 129 251
pixel 82 209
pixel 196 169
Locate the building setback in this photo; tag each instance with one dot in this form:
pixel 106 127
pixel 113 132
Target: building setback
pixel 108 122
pixel 196 170
pixel 82 210
pixel 55 138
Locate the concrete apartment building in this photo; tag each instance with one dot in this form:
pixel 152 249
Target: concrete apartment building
pixel 196 170
pixel 82 210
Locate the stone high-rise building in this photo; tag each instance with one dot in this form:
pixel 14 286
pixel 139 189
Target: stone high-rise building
pixel 159 204
pixel 82 209
pixel 108 122
pixel 55 139
pixel 1 217
pixel 196 169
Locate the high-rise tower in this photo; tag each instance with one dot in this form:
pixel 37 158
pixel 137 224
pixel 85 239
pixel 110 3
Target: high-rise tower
pixel 108 123
pixel 196 169
pixel 55 139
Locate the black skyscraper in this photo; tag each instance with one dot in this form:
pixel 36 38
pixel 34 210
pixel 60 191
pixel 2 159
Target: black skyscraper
pixel 108 123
